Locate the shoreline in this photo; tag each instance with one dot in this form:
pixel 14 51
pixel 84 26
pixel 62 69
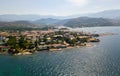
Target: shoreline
pixel 51 50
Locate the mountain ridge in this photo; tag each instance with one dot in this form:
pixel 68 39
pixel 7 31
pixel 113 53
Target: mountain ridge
pixel 112 19
pixel 104 14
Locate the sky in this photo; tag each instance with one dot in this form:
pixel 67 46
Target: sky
pixel 56 7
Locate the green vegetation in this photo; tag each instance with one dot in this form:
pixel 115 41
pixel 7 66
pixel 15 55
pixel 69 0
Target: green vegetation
pixel 30 41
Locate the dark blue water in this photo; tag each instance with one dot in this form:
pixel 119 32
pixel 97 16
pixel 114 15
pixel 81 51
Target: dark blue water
pixel 100 60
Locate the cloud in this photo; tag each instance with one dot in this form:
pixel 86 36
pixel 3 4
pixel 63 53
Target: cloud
pixel 78 2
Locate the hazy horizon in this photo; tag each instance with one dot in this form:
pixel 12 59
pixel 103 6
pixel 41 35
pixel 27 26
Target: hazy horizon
pixel 56 7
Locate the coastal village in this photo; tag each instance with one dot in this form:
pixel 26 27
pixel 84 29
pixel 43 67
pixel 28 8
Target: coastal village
pixel 28 42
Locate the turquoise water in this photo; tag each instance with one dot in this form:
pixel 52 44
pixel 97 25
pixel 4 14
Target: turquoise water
pixel 100 60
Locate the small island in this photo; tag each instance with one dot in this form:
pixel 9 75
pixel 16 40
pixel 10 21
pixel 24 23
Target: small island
pixel 28 42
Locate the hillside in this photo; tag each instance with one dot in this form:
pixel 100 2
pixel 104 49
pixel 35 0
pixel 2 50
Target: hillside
pixel 17 25
pixel 89 22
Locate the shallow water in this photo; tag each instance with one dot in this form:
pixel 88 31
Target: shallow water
pixel 100 60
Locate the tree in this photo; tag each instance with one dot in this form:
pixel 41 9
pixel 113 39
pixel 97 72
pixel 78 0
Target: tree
pixel 22 42
pixel 12 41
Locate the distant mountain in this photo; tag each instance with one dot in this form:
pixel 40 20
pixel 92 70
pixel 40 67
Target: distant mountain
pixel 17 24
pixel 106 14
pixel 103 14
pixel 79 22
pixel 74 22
pixel 26 17
pixel 17 17
pixel 90 22
pixel 46 21
pixel 104 18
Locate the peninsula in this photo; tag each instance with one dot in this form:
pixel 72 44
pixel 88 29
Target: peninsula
pixel 28 42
